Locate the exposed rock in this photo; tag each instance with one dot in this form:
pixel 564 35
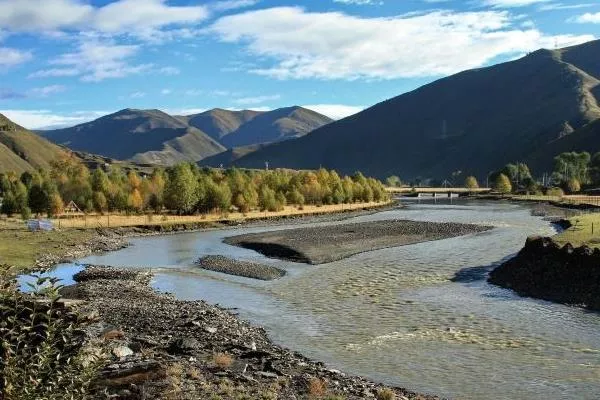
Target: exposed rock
pixel 185 345
pixel 544 270
pixel 240 268
pixel 122 351
pixel 180 341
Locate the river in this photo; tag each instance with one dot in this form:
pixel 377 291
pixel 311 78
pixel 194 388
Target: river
pixel 395 315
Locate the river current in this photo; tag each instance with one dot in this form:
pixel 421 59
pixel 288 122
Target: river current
pixel 419 316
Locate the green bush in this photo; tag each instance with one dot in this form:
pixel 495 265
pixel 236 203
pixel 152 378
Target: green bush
pixel 42 354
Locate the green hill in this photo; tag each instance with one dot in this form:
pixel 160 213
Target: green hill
pixel 22 150
pixel 474 121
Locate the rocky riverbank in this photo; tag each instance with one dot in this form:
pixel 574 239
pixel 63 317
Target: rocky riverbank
pixel 163 348
pixel 111 239
pixel 246 269
pixel 544 270
pixel 323 244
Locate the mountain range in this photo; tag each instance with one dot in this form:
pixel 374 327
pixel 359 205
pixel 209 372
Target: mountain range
pixel 155 137
pixel 475 121
pixel 526 110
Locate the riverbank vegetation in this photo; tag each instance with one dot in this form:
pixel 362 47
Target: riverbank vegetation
pixel 584 230
pixel 183 189
pixel 572 172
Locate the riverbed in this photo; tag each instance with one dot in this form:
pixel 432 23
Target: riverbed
pixel 419 316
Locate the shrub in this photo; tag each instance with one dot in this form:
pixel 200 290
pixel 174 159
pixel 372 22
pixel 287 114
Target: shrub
pixel 386 394
pixel 222 361
pixel 25 213
pixel 554 191
pixel 316 387
pixel 42 354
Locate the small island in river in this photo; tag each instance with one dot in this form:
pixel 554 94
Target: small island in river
pixel 324 244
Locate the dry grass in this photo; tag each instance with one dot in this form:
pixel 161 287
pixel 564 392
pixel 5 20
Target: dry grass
pixel 585 230
pixel 22 248
pixel 222 361
pixel 317 387
pixel 104 221
pixel 386 394
pixel 175 377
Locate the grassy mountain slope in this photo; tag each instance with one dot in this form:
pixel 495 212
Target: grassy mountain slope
pixel 229 156
pixel 474 121
pixel 22 150
pixel 274 126
pixel 218 123
pixel 145 136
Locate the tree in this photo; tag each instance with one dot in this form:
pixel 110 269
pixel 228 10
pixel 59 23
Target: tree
pixel 180 191
pixel 56 205
pixel 267 199
pixel 100 181
pixel 393 181
pixel 502 184
pixel 100 203
pixel 135 200
pixel 572 165
pixel 471 183
pixel 38 199
pixel 573 185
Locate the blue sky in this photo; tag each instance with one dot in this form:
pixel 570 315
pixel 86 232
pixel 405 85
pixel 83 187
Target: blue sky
pixel 63 62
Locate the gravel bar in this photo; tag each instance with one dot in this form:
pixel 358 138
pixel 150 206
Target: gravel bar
pixel 246 269
pixel 323 244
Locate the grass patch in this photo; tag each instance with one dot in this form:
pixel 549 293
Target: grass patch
pixel 20 248
pixel 584 230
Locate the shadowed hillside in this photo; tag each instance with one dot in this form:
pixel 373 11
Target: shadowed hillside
pixel 229 156
pixel 473 121
pixel 154 137
pixel 144 136
pixel 22 150
pixel 275 126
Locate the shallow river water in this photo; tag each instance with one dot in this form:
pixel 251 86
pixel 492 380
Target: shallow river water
pixel 394 315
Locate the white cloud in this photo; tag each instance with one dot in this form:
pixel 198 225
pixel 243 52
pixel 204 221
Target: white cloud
pixel 193 92
pixel 11 57
pixel 512 3
pixel 47 90
pixel 358 2
pixel 185 111
pixel 335 111
pixel 143 18
pixel 562 6
pixel 137 95
pixel 165 92
pixel 169 71
pixel 334 45
pixel 43 15
pixel 588 18
pixel 94 62
pixel 46 119
pixel 227 5
pixel 257 99
pixel 54 72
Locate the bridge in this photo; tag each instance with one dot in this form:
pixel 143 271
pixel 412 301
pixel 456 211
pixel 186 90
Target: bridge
pixel 436 190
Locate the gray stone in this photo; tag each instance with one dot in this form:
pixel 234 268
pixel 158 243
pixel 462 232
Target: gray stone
pixel 122 351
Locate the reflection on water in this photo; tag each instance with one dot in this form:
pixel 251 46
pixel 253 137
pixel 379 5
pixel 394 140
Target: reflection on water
pixel 419 316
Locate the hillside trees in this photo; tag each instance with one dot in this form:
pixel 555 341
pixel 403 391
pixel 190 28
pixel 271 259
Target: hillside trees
pixel 183 189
